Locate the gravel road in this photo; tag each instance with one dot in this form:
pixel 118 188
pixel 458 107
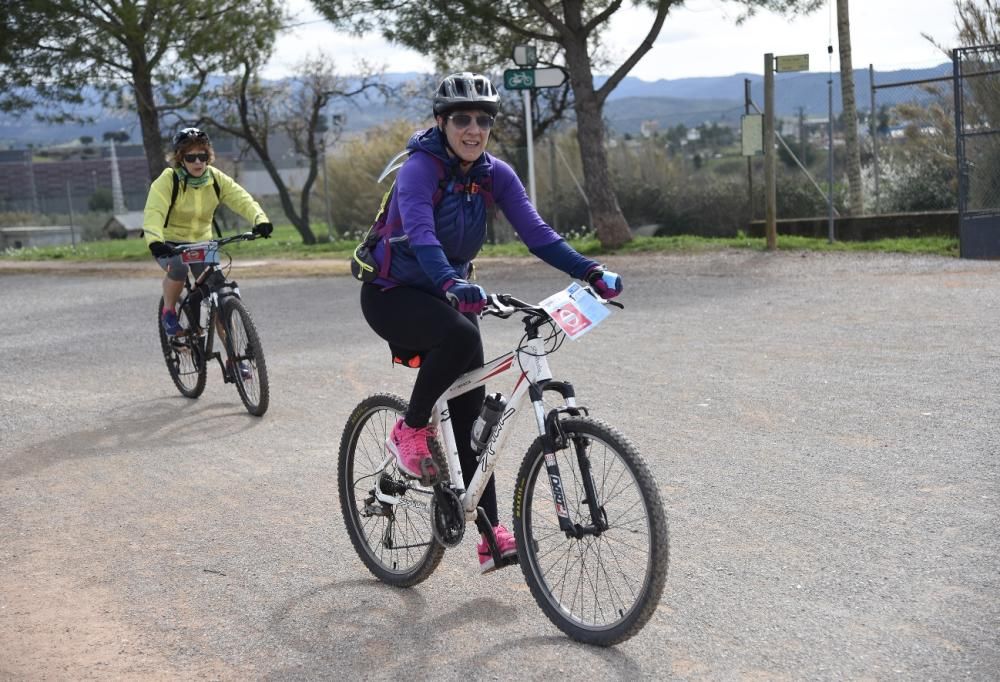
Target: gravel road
pixel 822 427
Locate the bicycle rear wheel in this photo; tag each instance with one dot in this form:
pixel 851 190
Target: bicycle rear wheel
pixel 393 538
pixel 185 357
pixel 599 589
pixel 245 359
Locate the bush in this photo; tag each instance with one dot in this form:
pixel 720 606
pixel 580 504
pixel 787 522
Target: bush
pixel 101 200
pixel 925 185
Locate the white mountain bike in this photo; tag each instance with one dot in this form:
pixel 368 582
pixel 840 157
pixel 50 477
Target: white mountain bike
pixel 589 523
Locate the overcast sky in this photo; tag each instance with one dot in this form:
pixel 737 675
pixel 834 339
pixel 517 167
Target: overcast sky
pixel 700 39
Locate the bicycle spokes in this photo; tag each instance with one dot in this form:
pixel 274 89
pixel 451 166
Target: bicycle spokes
pixel 601 579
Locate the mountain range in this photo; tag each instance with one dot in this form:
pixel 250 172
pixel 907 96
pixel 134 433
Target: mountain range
pixel 687 101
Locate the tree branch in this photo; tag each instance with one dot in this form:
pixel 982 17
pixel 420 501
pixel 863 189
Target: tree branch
pixel 645 46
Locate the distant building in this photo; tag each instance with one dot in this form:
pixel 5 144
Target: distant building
pixel 24 237
pixel 124 226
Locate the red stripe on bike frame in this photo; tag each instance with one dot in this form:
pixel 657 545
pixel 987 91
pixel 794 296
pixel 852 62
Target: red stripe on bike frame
pixel 524 375
pixel 500 370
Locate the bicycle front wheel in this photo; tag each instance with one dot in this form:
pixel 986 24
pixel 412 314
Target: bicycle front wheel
pixel 246 357
pixel 185 357
pixel 599 588
pixel 388 516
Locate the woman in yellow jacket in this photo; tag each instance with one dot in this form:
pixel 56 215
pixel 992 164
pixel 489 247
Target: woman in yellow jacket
pixel 199 191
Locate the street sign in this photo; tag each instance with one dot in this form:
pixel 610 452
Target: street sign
pixel 552 77
pixel 525 79
pixel 791 62
pixel 519 79
pixel 525 55
pixel 752 134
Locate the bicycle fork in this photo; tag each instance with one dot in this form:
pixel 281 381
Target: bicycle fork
pixel 553 438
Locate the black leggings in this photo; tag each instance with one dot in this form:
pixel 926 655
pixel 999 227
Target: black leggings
pixel 449 344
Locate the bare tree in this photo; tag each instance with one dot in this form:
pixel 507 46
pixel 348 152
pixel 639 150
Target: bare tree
pixel 154 57
pixel 253 111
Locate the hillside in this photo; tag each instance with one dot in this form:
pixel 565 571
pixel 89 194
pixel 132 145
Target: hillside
pixel 690 101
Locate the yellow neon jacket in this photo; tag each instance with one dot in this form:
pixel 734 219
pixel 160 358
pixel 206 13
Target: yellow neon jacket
pixel 191 216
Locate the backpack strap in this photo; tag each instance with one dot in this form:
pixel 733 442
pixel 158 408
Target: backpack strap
pixel 173 198
pixel 218 197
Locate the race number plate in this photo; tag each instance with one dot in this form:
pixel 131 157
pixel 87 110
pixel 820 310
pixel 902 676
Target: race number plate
pixel 201 254
pixel 575 310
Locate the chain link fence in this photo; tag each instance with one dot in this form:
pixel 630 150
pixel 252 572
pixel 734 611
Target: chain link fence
pixel 977 136
pixel 911 143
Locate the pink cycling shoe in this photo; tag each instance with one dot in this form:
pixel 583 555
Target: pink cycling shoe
pixel 412 452
pixel 505 543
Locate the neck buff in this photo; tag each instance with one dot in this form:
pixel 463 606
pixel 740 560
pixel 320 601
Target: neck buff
pixel 190 180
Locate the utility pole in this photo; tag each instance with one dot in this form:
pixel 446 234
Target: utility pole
pixel 770 170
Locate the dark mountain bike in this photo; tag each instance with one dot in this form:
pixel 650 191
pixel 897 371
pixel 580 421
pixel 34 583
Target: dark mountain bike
pixel 211 306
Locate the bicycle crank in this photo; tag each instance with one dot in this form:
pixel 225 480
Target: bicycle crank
pixel 447 516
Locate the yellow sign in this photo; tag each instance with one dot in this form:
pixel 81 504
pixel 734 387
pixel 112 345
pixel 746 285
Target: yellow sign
pixel 791 62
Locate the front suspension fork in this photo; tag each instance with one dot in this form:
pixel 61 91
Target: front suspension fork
pixel 553 439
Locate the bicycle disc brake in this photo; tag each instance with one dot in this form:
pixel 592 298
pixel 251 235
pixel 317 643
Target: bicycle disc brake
pixel 447 516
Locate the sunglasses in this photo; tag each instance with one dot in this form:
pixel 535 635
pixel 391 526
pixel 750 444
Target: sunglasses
pixel 191 158
pixel 463 121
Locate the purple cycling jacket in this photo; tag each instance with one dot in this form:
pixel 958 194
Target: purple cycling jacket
pixel 456 224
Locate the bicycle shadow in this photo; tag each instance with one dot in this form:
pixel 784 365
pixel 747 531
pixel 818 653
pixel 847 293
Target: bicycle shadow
pixel 174 421
pixel 371 629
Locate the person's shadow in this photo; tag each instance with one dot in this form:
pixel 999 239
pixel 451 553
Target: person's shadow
pixel 364 628
pixel 125 428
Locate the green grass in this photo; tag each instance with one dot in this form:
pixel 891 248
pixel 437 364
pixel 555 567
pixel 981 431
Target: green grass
pixel 286 243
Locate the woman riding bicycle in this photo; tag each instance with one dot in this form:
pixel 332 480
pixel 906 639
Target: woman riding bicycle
pixel 426 309
pixel 179 210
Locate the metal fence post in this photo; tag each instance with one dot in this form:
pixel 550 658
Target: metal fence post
pixel 873 125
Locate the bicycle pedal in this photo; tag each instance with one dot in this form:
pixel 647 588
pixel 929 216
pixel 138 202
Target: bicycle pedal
pixel 430 473
pixel 509 561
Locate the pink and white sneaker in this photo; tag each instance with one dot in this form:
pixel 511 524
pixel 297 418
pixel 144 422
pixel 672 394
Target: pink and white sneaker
pixel 412 452
pixel 505 543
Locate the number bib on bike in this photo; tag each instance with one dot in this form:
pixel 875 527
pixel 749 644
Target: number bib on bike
pixel 575 310
pixel 201 254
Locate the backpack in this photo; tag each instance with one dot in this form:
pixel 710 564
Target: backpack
pixel 364 267
pixel 173 200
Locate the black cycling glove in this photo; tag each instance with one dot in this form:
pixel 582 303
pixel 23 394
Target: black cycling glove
pixel 264 230
pixel 160 250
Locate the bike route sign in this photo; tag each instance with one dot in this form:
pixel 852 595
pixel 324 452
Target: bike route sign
pixel 525 79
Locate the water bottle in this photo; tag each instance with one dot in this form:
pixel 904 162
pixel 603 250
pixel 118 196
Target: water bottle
pixel 482 428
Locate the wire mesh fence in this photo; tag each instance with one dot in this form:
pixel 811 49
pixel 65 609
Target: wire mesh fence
pixel 977 103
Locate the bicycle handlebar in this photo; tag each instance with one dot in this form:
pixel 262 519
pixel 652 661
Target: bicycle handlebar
pixel 216 243
pixel 505 305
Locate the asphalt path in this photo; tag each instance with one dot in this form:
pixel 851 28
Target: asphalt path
pixel 822 427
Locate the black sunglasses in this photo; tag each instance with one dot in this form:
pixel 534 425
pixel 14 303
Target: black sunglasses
pixel 191 158
pixel 463 121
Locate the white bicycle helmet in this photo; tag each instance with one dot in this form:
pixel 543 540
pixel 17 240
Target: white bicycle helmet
pixel 466 90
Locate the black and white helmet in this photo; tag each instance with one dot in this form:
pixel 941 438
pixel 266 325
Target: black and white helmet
pixel 466 90
pixel 186 135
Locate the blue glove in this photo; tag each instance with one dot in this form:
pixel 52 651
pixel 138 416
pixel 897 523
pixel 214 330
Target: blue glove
pixel 607 284
pixel 467 298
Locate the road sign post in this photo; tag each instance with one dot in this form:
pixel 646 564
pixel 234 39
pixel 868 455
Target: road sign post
pixel 526 79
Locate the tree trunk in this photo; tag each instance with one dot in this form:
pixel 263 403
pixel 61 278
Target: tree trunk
pixel 850 108
pixel 605 215
pixel 149 119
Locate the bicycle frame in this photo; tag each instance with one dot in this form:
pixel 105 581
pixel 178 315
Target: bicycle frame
pixel 212 289
pixel 534 373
